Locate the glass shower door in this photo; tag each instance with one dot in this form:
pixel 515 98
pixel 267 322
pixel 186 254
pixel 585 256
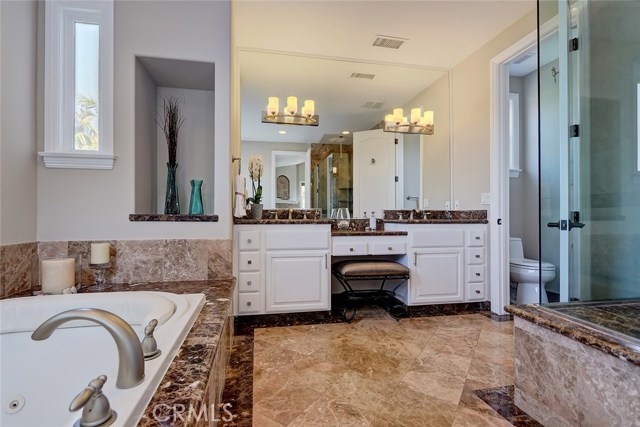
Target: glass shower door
pixel 589 136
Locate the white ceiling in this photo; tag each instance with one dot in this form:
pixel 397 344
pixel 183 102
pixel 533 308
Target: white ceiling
pixel 310 48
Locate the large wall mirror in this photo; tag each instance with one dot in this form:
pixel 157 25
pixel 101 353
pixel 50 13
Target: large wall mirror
pixel 353 97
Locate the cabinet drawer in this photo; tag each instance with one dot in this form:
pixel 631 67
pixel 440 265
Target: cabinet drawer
pixel 475 273
pixel 249 282
pixel 437 238
pixel 475 291
pixel 475 237
pixel 346 248
pixel 249 302
pixel 249 240
pixel 249 261
pixel 475 256
pixel 387 248
pixel 297 239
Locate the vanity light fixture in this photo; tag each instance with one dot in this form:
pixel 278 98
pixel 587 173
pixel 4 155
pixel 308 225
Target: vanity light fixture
pixel 289 114
pixel 420 123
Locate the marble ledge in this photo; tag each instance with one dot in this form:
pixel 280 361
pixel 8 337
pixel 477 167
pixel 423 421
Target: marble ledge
pixel 185 382
pixel 547 319
pixel 338 233
pixel 172 218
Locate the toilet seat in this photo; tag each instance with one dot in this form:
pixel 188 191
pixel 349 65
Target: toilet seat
pixel 532 264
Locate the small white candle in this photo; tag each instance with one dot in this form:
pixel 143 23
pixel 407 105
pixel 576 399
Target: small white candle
pixel 58 275
pixel 100 253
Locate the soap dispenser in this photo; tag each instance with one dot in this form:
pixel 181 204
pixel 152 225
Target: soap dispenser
pixel 372 220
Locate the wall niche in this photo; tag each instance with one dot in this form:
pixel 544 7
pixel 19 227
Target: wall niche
pixel 192 83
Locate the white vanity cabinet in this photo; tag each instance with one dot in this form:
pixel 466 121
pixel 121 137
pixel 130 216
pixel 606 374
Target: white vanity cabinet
pixel 285 268
pixel 447 262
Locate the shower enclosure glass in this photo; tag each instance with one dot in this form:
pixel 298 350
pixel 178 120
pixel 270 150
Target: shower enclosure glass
pixel 589 135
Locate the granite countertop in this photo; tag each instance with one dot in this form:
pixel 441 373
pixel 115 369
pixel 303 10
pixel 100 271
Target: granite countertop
pixel 338 233
pixel 186 379
pixel 281 221
pixel 172 218
pixel 439 221
pixel 553 321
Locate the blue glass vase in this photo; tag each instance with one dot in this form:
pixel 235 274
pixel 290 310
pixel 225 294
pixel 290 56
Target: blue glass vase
pixel 171 200
pixel 195 205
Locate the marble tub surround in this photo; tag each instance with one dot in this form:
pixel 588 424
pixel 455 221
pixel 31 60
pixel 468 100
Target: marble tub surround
pixel 561 381
pixel 379 372
pixel 16 269
pixel 173 218
pixel 194 374
pixel 552 321
pixel 437 217
pixel 135 261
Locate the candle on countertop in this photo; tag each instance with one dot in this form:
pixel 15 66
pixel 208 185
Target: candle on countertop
pixel 100 253
pixel 58 275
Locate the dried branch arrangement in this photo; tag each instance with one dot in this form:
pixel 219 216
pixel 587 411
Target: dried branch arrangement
pixel 172 121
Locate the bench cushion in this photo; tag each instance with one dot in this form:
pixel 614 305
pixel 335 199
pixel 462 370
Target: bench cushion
pixel 370 268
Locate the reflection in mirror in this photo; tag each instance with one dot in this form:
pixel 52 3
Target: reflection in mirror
pixel 344 101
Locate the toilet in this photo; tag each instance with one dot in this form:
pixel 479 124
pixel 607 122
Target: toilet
pixel 526 273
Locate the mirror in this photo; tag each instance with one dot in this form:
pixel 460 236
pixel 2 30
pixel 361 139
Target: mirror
pixel 350 96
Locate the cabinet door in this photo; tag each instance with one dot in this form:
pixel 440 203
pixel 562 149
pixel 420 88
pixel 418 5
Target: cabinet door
pixel 297 281
pixel 437 275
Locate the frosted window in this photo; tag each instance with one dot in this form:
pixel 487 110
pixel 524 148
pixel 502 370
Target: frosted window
pixel 86 39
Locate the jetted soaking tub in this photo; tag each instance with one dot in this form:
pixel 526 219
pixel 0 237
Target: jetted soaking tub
pixel 40 378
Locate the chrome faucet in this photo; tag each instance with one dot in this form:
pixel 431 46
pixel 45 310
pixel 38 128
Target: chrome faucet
pixel 130 356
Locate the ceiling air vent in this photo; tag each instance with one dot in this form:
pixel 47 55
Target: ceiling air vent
pixel 362 76
pixel 389 42
pixel 374 105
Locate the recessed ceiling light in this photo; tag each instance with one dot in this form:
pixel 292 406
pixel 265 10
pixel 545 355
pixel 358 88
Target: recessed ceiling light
pixel 345 132
pixel 282 132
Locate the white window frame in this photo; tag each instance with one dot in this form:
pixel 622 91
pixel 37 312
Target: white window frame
pixel 59 86
pixel 514 135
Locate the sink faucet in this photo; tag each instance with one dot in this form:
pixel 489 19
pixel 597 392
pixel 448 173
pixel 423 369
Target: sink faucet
pixel 130 356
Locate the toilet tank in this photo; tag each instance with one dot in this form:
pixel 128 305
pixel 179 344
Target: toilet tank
pixel 515 248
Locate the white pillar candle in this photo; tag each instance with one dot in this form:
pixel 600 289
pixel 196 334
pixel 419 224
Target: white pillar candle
pixel 58 274
pixel 100 253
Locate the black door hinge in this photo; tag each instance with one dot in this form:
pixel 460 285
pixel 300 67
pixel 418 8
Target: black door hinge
pixel 396 179
pixel 573 44
pixel 395 141
pixel 574 131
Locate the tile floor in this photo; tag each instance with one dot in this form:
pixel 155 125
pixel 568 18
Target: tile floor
pixel 379 372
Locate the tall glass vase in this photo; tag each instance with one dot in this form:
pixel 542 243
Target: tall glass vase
pixel 171 200
pixel 195 205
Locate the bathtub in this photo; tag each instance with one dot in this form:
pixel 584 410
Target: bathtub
pixel 40 378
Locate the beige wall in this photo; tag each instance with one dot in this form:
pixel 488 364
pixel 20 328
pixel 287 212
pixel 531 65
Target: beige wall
pixel 95 204
pixel 470 107
pixel 18 38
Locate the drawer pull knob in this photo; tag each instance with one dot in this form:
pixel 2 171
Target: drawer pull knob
pixel 248 303
pixel 249 240
pixel 390 248
pixel 249 262
pixel 477 274
pixel 478 256
pixel 350 249
pixel 477 291
pixel 477 237
pixel 248 282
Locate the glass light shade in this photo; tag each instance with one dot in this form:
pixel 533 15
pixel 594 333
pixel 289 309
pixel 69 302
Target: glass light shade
pixel 397 115
pixel 428 118
pixel 416 114
pixel 292 104
pixel 309 106
pixel 388 118
pixel 273 105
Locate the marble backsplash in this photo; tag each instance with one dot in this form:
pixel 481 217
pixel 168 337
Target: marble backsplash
pixel 16 267
pixel 132 261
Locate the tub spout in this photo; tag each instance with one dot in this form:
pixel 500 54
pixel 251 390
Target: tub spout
pixel 130 356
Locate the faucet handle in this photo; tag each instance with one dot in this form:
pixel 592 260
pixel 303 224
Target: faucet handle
pixel 97 409
pixel 149 343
